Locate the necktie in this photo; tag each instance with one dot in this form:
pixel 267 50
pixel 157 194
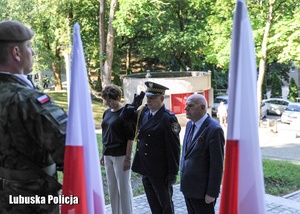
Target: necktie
pixel 149 115
pixel 190 136
pixel 29 78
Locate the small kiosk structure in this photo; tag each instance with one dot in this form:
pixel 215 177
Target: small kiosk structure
pixel 180 84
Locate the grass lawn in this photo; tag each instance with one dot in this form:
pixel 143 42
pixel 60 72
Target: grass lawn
pixel 61 99
pixel 280 177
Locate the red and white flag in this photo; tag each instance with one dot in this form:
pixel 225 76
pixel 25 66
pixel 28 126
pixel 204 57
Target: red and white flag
pixel 243 183
pixel 82 174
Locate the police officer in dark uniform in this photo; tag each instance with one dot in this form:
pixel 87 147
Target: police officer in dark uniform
pixel 158 147
pixel 32 129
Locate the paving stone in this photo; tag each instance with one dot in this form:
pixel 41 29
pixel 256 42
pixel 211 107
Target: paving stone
pixel 281 145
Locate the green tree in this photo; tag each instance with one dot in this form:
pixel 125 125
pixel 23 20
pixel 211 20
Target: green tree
pixel 160 35
pixel 172 33
pixel 276 87
pixel 53 23
pixel 219 29
pixel 219 80
pixel 293 90
pixel 107 66
pixel 267 15
pixel 264 90
pixel 282 70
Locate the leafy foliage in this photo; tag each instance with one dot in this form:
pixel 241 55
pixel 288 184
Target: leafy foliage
pixel 293 90
pixel 159 35
pixel 53 22
pixel 170 32
pixel 276 90
pixel 275 68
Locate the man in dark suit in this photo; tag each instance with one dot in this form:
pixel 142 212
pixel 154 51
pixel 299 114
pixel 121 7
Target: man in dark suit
pixel 202 158
pixel 158 148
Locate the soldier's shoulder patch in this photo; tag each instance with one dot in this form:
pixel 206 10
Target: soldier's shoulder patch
pixel 43 99
pixel 175 127
pixel 59 116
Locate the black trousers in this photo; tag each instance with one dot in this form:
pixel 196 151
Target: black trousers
pixel 199 206
pixel 159 195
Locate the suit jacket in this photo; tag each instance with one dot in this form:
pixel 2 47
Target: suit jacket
pixel 158 144
pixel 202 163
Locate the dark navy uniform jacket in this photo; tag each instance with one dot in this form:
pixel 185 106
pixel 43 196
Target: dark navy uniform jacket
pixel 158 144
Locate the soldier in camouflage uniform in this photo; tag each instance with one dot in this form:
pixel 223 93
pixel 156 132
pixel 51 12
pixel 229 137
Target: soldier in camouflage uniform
pixel 32 129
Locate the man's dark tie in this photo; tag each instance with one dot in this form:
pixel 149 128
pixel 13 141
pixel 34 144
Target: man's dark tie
pixel 29 78
pixel 190 136
pixel 149 115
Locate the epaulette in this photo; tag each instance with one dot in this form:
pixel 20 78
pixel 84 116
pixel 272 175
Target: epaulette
pixel 169 112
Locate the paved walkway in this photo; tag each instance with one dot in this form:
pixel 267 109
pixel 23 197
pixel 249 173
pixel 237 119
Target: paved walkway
pixel 276 143
pixel 289 204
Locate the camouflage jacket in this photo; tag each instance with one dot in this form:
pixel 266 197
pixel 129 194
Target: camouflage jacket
pixel 32 130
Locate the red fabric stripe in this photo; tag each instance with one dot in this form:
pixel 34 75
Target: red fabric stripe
pixel 46 99
pixel 43 99
pixel 74 180
pixel 229 195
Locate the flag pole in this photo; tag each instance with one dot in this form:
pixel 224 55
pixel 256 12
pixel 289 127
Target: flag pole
pixel 242 185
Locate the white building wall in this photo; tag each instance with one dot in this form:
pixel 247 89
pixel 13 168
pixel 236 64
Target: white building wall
pixel 176 85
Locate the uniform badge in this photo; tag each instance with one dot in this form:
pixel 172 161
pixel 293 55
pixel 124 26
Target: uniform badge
pixel 43 99
pixel 176 128
pixel 59 116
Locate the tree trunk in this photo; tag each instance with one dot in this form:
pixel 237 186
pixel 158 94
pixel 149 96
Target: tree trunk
pixel 102 38
pixel 109 46
pixel 263 59
pixel 128 57
pixel 57 77
pixel 56 69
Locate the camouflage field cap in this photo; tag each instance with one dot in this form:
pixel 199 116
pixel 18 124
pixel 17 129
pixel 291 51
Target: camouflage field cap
pixel 155 89
pixel 14 31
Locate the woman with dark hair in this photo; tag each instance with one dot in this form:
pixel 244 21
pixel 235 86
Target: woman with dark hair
pixel 117 140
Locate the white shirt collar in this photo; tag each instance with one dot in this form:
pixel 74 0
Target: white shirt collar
pixel 200 121
pixel 153 112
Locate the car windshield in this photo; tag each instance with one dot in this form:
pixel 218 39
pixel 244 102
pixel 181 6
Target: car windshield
pixel 293 108
pixel 218 100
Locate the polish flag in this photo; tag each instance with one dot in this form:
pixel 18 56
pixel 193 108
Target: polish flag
pixel 243 183
pixel 82 175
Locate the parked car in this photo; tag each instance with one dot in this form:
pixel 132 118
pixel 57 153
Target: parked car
pixel 297 125
pixel 263 110
pixel 291 113
pixel 276 105
pixel 217 101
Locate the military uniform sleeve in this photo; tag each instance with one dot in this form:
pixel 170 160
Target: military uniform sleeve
pixel 45 122
pixel 128 113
